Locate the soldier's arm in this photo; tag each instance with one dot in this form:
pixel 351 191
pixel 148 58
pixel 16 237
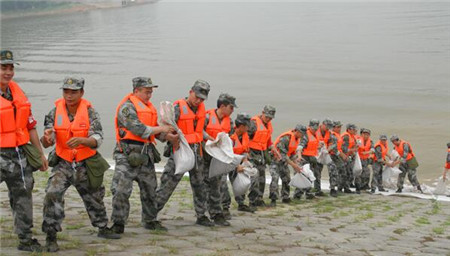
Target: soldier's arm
pixel 283 147
pixel 406 151
pixel 332 147
pixel 345 144
pixel 95 130
pixel 48 139
pixel 251 129
pixel 232 127
pixel 303 142
pixel 127 118
pixel 206 135
pixel 378 154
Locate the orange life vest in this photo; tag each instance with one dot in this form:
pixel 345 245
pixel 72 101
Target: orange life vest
pixel 399 149
pixel 365 146
pixel 312 146
pixel 262 134
pixel 384 150
pixel 293 142
pixel 240 147
pixel 447 164
pixel 186 121
pixel 325 139
pixel 146 114
pixel 215 126
pixel 65 130
pixel 351 141
pixel 13 126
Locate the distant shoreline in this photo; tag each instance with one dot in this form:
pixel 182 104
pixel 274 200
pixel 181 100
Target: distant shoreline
pixel 71 8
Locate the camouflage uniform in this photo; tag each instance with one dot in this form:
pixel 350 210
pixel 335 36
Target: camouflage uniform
pixel 125 174
pixel 169 180
pixel 362 180
pixel 377 166
pixel 65 174
pixel 336 164
pixel 312 161
pixel 280 169
pixel 346 175
pixel 412 173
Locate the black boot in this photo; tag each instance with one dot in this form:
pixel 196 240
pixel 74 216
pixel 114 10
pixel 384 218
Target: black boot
pixel 348 191
pixel 107 233
pixel 50 243
pixel 273 203
pixel 220 220
pixel 226 214
pixel 333 193
pixel 118 228
pixel 29 245
pixel 286 200
pixel 245 208
pixel 398 190
pixel 420 189
pixel 204 221
pixel 320 193
pixel 155 225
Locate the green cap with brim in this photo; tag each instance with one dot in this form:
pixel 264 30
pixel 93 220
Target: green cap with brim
pixel 7 57
pixel 143 82
pixel 73 83
pixel 201 89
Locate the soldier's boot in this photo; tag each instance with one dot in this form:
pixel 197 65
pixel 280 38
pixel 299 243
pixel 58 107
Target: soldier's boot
pixel 286 200
pixel 204 221
pixel 333 192
pixel 420 189
pixel 226 213
pixel 107 233
pixel 273 203
pixel 29 245
pixel 245 208
pixel 220 220
pixel 155 225
pixel 50 243
pixel 372 190
pixel 310 196
pixel 261 203
pixel 381 189
pixel 320 193
pixel 348 191
pixel 398 190
pixel 118 228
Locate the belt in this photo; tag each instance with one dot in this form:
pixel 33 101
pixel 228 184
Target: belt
pixel 133 142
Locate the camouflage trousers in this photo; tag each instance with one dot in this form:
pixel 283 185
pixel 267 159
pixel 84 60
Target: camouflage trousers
pixel 20 189
pixel 258 184
pixel 62 177
pixel 122 187
pixel 279 169
pixel 362 180
pixel 346 174
pixel 377 179
pixel 170 180
pixel 412 176
pixel 312 161
pixel 225 192
pixel 333 170
pixel 212 189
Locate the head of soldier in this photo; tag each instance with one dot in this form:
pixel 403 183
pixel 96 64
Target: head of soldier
pixel 299 131
pixel 226 104
pixel 198 93
pixel 314 125
pixel 73 91
pixel 242 123
pixel 365 133
pixel 268 113
pixel 337 127
pixel 7 68
pixel 326 125
pixel 352 129
pixel 143 88
pixel 395 140
pixel 383 139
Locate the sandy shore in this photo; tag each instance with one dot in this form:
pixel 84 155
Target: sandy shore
pixel 348 225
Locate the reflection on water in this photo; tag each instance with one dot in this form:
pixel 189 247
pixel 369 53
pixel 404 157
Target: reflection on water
pixel 383 66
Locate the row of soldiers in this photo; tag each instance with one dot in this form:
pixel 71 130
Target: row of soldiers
pixel 73 127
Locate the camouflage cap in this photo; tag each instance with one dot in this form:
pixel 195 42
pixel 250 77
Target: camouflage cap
pixel 300 128
pixel 7 57
pixel 314 123
pixel 242 119
pixel 365 130
pixel 448 145
pixel 383 137
pixel 201 89
pixel 269 111
pixel 351 126
pixel 142 81
pixel 394 138
pixel 337 124
pixel 73 83
pixel 227 99
pixel 328 123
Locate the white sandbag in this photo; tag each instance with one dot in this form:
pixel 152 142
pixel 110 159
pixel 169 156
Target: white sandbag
pixel 183 157
pixel 390 176
pixel 324 157
pixel 301 181
pixel 218 167
pixel 308 172
pixel 241 184
pixel 441 187
pixel 221 148
pixel 249 170
pixel 357 166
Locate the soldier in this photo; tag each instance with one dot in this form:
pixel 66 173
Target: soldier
pixel 310 145
pixel 18 127
pixel 260 134
pixel 447 163
pixel 136 128
pixel 287 146
pixel 407 165
pixel 337 166
pixel 365 152
pixel 323 135
pixel 190 118
pixel 348 146
pixel 217 120
pixel 240 147
pixel 381 155
pixel 78 134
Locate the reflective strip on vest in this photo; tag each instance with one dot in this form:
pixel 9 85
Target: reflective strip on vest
pixel 312 148
pixel 214 126
pixel 187 119
pixel 262 135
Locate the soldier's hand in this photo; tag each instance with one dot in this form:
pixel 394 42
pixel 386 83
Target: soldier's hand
pixel 49 136
pixel 298 169
pixel 240 168
pixel 167 129
pixel 75 142
pixel 174 139
pixel 44 166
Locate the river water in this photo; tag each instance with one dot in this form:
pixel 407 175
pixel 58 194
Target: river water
pixel 383 66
